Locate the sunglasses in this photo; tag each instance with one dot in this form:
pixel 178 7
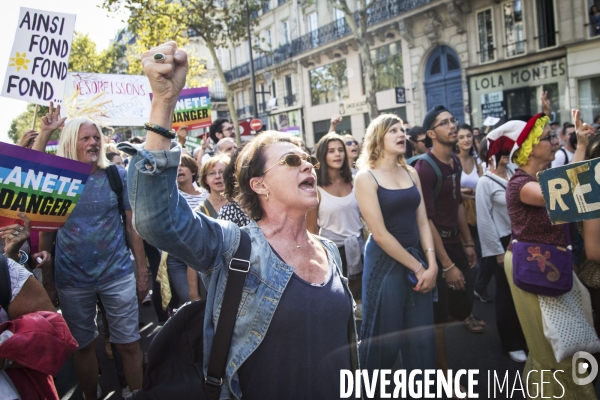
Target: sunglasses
pixel 351 142
pixel 293 160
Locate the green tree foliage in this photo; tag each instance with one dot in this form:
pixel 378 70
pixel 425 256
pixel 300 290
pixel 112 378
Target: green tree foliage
pixel 23 122
pixel 218 23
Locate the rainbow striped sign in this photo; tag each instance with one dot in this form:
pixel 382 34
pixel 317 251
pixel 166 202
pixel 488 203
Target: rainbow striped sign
pixel 43 186
pixel 192 109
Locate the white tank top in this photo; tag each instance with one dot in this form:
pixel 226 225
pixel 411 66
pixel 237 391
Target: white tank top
pixel 339 217
pixel 469 180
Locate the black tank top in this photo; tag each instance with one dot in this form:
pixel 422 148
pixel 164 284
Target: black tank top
pixel 399 210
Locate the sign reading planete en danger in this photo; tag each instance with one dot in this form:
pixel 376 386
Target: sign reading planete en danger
pixel 126 97
pixel 43 186
pixel 39 59
pixel 572 192
pixel 192 109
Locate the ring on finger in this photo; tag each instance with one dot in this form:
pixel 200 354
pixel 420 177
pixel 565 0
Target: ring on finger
pixel 21 229
pixel 159 57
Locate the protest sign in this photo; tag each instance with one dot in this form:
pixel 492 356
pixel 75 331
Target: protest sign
pixel 192 109
pixel 127 96
pixel 571 192
pixel 43 186
pixel 39 60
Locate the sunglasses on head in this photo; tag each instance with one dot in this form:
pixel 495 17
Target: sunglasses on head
pixel 293 160
pixel 351 142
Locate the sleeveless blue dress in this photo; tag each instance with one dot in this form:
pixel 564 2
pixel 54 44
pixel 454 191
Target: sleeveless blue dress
pixel 397 321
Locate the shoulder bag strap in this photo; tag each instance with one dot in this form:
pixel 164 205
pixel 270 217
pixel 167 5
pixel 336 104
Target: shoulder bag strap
pixel 239 266
pixel 117 186
pixel 5 287
pixel 494 180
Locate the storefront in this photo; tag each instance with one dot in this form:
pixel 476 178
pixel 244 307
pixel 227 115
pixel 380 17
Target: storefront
pixel 287 121
pixel 517 91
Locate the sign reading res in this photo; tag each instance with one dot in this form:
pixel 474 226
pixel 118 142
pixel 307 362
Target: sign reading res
pixel 570 191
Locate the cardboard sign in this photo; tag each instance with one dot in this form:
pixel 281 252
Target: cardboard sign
pixel 192 109
pixel 39 60
pixel 43 186
pixel 572 192
pixel 127 96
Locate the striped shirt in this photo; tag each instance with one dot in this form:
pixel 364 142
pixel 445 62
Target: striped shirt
pixel 194 200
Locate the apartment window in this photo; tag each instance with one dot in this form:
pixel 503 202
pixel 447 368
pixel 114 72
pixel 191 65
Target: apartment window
pixel 486 35
pixel 267 37
pixel 546 26
pixel 290 97
pixel 589 98
pixel 339 14
pixel 328 83
pixel 387 60
pixel 273 89
pixel 514 28
pixel 240 99
pixel 313 27
pixel 285 33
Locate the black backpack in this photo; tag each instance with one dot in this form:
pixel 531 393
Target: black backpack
pixel 175 358
pixel 438 173
pixel 116 184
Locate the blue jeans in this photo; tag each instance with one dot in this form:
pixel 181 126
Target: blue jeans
pixel 177 270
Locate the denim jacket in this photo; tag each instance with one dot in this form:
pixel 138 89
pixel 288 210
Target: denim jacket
pixel 164 219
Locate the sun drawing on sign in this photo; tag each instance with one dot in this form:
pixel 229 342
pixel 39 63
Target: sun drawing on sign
pixel 20 61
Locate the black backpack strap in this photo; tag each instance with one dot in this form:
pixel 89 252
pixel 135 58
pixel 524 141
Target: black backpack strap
pixel 5 287
pixel 239 266
pixel 438 173
pixel 116 184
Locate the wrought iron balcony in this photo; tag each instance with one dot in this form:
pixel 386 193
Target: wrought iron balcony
pixel 217 95
pixel 248 110
pixel 380 11
pixel 289 100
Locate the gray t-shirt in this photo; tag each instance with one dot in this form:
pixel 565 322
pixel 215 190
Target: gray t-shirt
pixel 90 246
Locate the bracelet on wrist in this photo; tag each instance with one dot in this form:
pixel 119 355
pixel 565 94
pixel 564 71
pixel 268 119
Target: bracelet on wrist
pixel 444 270
pixel 169 134
pixel 430 249
pixel 418 269
pixel 468 245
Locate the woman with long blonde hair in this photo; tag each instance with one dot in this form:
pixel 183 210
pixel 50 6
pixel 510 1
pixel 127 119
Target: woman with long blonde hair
pixel 400 268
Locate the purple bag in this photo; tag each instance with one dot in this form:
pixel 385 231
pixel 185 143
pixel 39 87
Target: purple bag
pixel 542 268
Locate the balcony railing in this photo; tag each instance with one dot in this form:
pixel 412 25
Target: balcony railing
pixel 217 95
pixel 289 100
pixel 248 110
pixel 380 11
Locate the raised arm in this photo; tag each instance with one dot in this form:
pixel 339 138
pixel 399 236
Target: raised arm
pixel 166 78
pixel 160 214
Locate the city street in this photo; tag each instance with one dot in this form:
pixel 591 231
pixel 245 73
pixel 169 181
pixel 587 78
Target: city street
pixel 465 351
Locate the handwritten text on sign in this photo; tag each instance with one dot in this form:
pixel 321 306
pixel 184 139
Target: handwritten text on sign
pixel 127 96
pixel 39 60
pixel 43 186
pixel 572 191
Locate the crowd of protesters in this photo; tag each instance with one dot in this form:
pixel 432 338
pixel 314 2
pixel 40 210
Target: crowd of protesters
pixel 411 224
